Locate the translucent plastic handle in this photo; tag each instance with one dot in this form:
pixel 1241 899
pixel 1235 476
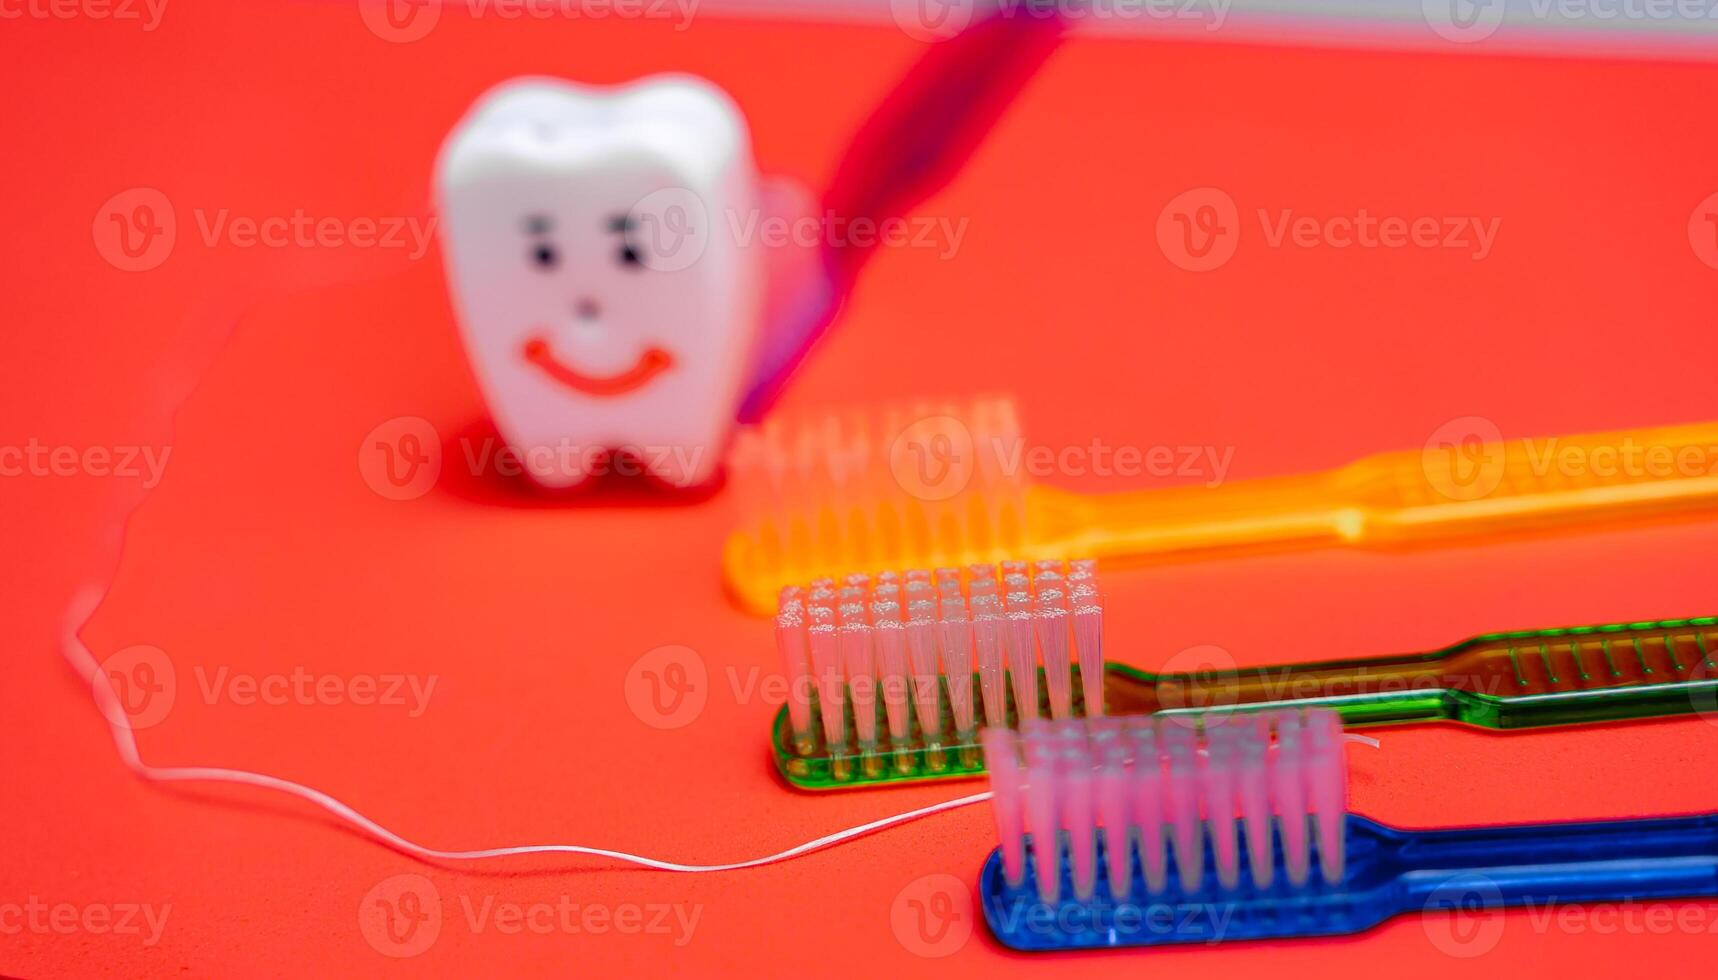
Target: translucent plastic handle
pixel 1520 679
pixel 1560 862
pixel 1455 487
pixel 1388 872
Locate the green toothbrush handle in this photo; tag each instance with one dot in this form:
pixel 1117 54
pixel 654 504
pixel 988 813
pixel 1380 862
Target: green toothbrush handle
pixel 1525 679
pixel 1500 680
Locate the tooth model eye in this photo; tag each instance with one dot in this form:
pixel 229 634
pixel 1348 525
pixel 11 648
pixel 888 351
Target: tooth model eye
pixel 623 225
pixel 545 257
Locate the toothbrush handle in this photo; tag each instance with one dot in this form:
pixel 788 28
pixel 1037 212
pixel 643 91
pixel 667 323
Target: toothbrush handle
pixel 1375 690
pixel 1674 857
pixel 1441 491
pixel 1522 679
pixel 911 146
pixel 925 130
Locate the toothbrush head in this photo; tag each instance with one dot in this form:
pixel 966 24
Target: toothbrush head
pixel 918 484
pixel 892 675
pixel 1219 807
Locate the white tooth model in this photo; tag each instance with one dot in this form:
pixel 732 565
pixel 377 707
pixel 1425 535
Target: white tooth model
pixel 604 300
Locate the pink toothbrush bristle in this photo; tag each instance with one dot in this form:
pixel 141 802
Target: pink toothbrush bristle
pixel 1006 801
pixel 1328 791
pixel 1112 799
pixel 1042 813
pixel 1288 782
pixel 1218 785
pixel 1181 798
pixel 1080 821
pixel 915 638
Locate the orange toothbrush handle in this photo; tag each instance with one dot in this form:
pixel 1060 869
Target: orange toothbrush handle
pixel 1451 488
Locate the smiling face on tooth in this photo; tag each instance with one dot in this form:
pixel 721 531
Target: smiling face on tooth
pixel 603 301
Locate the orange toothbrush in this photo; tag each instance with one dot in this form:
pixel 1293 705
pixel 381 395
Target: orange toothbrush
pixel 939 485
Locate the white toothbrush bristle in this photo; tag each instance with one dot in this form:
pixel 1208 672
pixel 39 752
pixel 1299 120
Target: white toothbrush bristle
pixel 912 640
pixel 1233 788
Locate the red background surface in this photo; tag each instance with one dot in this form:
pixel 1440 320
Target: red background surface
pixel 264 550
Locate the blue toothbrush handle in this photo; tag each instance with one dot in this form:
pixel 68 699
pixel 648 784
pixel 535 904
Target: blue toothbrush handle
pixel 1388 872
pixel 1673 857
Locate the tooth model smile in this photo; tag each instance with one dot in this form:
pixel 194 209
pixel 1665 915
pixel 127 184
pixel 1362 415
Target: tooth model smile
pixel 652 362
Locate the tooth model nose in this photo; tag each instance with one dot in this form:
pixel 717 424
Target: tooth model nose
pixel 587 309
